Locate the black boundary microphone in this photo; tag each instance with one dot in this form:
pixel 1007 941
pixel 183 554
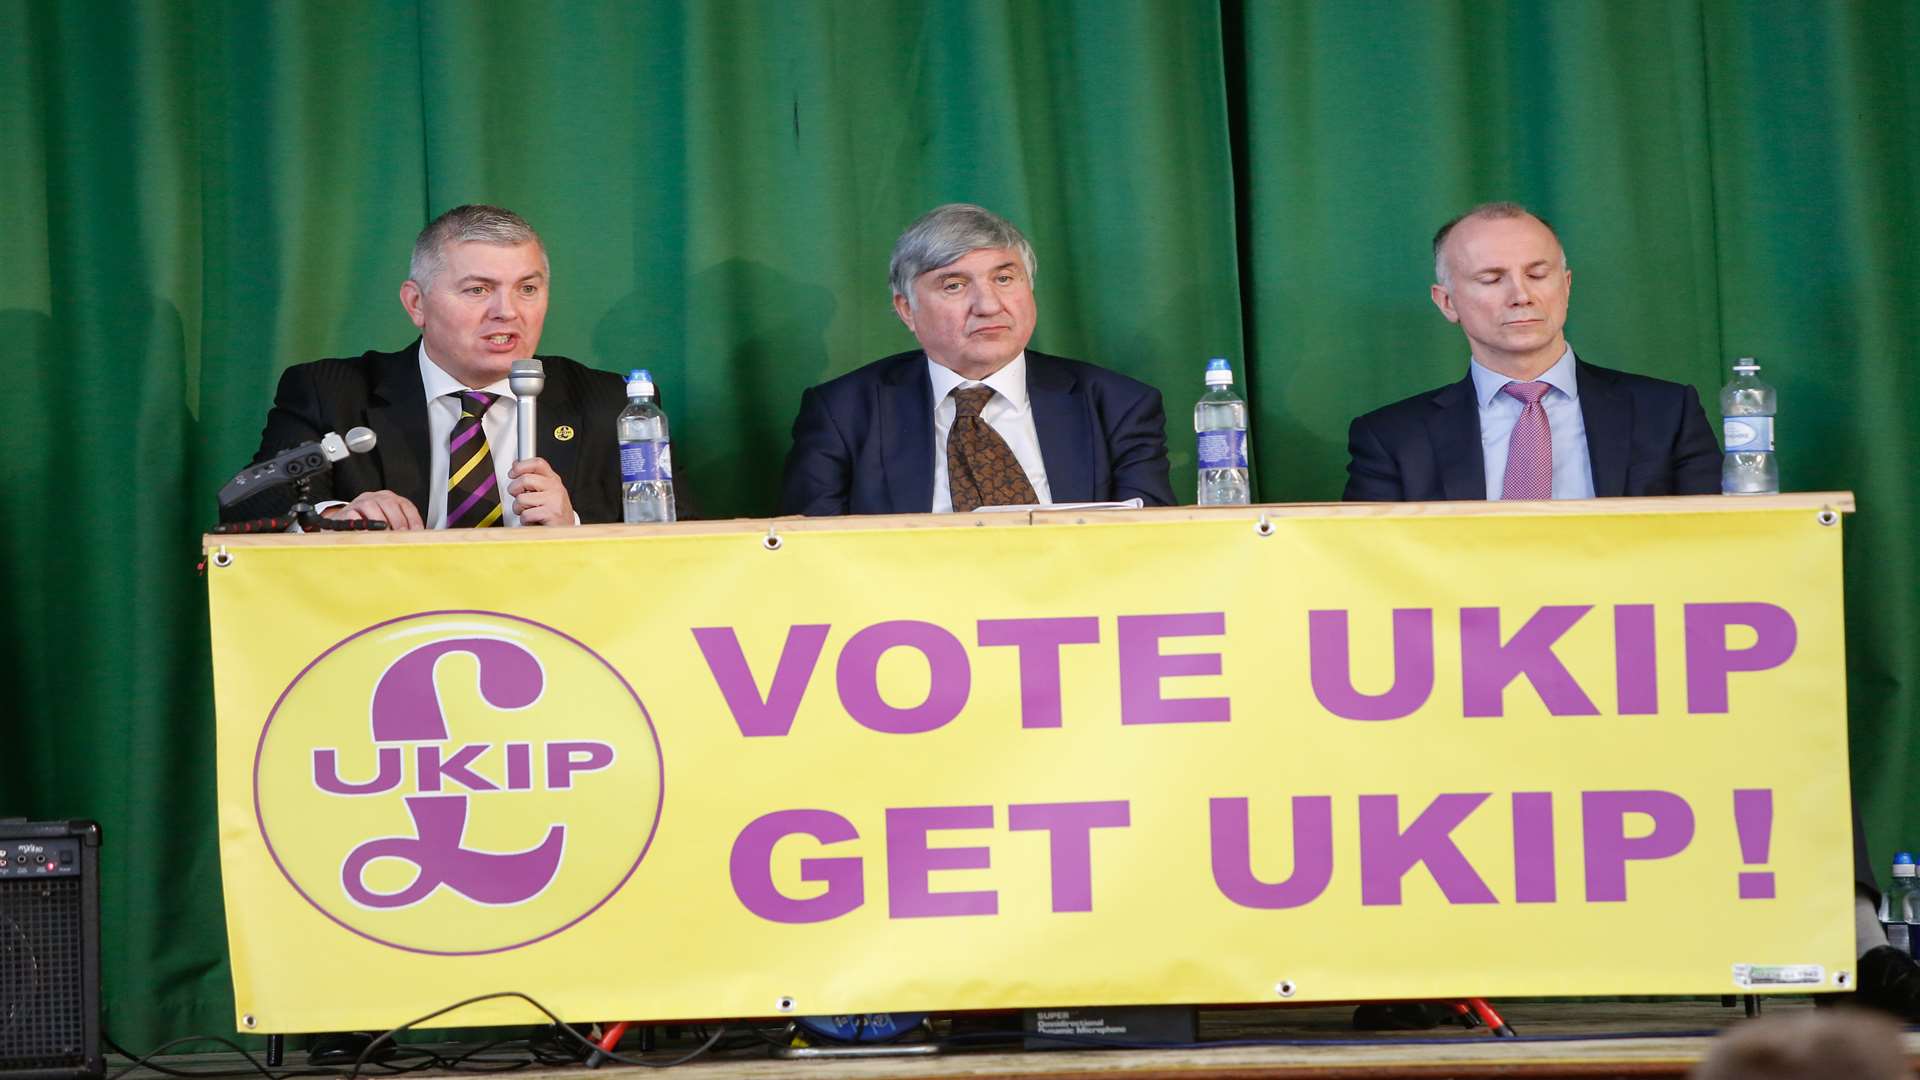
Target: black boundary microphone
pixel 303 462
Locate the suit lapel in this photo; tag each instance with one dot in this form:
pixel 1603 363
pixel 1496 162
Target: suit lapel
pixel 1060 420
pixel 1455 430
pixel 397 413
pixel 558 409
pixel 906 434
pixel 1608 415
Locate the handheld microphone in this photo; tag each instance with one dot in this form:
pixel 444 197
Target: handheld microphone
pixel 527 379
pixel 303 462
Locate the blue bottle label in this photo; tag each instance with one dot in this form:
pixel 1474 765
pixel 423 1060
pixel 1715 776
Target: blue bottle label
pixel 642 462
pixel 1747 433
pixel 1224 449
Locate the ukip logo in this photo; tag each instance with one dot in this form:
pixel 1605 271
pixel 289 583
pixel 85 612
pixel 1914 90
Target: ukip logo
pixel 504 783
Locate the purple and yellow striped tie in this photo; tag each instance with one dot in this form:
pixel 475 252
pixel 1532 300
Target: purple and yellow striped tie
pixel 473 491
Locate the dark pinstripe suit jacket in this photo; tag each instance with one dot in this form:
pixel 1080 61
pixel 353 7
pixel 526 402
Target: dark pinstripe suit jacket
pixel 382 390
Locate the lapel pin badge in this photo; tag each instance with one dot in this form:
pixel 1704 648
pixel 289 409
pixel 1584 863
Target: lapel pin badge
pixel 564 433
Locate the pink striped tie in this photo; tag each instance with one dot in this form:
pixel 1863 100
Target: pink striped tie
pixel 1530 447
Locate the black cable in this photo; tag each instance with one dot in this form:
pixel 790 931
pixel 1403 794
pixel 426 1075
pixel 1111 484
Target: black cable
pixel 681 1060
pixel 460 1063
pixel 747 1041
pixel 146 1060
pixel 754 1030
pixel 386 1037
pixel 419 1059
pixel 544 1047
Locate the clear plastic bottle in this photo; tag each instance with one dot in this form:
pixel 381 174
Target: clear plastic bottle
pixel 1747 406
pixel 1896 904
pixel 1913 917
pixel 646 460
pixel 1220 440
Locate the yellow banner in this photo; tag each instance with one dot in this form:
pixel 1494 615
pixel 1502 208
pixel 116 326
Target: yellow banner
pixel 982 765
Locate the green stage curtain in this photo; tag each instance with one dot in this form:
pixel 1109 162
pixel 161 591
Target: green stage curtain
pixel 196 194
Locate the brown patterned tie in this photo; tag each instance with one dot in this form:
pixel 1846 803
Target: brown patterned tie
pixel 981 469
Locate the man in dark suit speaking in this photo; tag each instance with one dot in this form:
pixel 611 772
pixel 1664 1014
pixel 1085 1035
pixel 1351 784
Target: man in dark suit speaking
pixel 973 417
pixel 442 408
pixel 1530 420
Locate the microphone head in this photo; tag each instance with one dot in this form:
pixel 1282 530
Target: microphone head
pixel 528 377
pixel 361 440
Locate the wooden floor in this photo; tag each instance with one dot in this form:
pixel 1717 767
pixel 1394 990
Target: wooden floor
pixel 1556 1039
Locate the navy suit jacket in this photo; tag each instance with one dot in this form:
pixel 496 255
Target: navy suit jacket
pixel 863 443
pixel 1644 437
pixel 382 391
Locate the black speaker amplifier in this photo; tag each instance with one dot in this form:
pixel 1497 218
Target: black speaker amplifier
pixel 50 950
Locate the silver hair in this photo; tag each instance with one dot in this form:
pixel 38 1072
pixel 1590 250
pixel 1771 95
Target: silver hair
pixel 946 233
pixel 486 224
pixel 1491 211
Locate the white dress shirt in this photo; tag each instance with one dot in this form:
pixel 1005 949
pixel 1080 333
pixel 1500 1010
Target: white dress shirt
pixel 1006 412
pixel 443 413
pixel 1572 468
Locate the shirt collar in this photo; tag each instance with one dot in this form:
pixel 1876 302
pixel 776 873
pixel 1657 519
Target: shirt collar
pixel 1487 382
pixel 1009 382
pixel 438 384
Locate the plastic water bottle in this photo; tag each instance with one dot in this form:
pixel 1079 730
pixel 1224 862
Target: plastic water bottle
pixel 1220 440
pixel 1896 904
pixel 1746 416
pixel 646 462
pixel 1913 917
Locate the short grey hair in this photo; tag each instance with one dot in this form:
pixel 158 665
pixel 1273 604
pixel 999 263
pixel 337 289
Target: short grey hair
pixel 946 233
pixel 1489 211
pixel 486 224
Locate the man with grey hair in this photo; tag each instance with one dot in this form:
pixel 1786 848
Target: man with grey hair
pixel 1530 420
pixel 442 408
pixel 973 417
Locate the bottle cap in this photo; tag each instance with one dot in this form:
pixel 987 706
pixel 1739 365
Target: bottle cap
pixel 1746 363
pixel 1219 372
pixel 1903 869
pixel 639 381
pixel 1903 857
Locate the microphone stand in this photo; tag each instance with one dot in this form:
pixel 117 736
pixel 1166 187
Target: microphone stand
pixel 303 514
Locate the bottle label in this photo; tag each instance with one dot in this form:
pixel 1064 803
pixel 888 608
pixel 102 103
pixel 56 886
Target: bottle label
pixel 645 461
pixel 1748 433
pixel 1223 449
